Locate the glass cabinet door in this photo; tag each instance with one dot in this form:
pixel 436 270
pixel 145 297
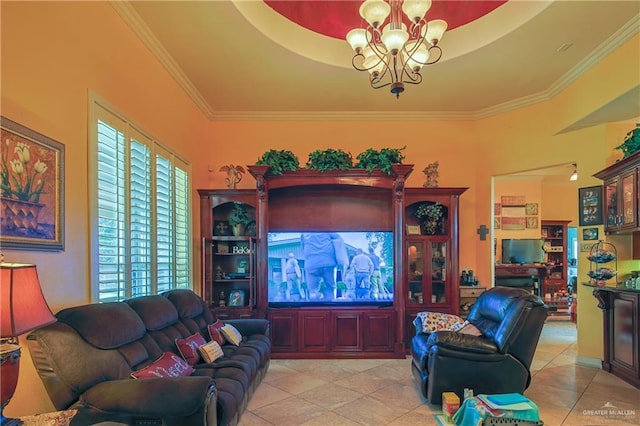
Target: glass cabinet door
pixel 415 272
pixel 611 203
pixel 427 272
pixel 628 188
pixel 438 264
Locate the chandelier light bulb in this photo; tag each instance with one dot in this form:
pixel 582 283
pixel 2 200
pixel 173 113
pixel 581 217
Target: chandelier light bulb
pixel 416 9
pixel 435 30
pixel 375 12
pixel 417 58
pixel 394 39
pixel 372 62
pixel 357 38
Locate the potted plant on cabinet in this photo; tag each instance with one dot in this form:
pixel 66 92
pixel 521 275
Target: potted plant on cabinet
pixel 329 159
pixel 279 161
pixel 383 159
pixel 239 219
pixel 631 143
pixel 430 216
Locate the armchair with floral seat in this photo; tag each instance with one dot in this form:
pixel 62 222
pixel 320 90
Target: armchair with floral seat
pixel 494 357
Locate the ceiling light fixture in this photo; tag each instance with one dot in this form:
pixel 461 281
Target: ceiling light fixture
pixel 391 54
pixel 574 175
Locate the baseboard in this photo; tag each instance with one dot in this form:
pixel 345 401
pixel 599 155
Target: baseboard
pixel 589 362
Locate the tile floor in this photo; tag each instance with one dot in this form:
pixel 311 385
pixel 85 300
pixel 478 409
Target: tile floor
pixel 381 392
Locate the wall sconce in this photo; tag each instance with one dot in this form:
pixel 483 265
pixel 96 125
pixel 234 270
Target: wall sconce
pixel 574 175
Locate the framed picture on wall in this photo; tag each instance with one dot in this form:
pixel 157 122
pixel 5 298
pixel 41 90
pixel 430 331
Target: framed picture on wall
pixel 32 199
pixel 590 205
pixel 590 234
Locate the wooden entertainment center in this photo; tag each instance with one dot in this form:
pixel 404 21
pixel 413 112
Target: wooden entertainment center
pixel 425 262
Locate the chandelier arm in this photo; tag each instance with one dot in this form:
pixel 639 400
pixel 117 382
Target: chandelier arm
pixel 376 79
pixel 416 80
pixel 415 29
pixel 410 76
pixel 355 65
pixel 434 48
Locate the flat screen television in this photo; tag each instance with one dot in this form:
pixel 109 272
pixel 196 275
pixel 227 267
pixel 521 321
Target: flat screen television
pixel 330 268
pixel 523 251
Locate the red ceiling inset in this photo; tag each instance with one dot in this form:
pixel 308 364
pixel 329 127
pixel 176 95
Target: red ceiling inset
pixel 336 18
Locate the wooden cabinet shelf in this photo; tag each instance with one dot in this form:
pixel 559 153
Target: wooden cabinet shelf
pixel 622 196
pixel 228 261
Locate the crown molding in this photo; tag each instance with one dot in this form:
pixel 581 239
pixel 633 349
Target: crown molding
pixel 340 116
pixel 137 24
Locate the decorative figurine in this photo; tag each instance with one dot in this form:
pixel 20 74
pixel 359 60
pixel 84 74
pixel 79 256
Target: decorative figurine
pixel 432 175
pixel 234 175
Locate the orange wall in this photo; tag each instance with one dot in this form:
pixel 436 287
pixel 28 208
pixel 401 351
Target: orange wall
pixel 54 52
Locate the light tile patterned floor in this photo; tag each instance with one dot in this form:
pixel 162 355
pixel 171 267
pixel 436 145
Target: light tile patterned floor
pixel 381 392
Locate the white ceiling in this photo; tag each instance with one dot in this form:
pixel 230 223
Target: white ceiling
pixel 233 70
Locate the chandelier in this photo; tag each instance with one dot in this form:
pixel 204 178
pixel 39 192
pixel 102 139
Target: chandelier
pixel 392 55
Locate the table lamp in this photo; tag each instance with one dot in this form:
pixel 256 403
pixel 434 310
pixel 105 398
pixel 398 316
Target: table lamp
pixel 22 309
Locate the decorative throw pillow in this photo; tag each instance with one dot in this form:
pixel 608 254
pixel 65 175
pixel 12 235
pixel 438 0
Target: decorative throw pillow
pixel 211 351
pixel 189 348
pixel 436 321
pixel 168 365
pixel 215 334
pixel 231 334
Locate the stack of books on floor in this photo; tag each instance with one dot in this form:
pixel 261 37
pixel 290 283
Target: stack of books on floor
pixel 491 410
pixel 510 409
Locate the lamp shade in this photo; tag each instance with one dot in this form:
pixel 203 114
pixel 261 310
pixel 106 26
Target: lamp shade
pixel 22 304
pixel 435 30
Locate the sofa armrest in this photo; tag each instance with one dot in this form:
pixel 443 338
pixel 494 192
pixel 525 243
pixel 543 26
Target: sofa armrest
pixel 178 397
pixel 461 342
pixel 249 326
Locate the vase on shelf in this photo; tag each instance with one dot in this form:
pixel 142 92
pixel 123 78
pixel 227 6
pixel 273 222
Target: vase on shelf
pixel 238 229
pixel 432 227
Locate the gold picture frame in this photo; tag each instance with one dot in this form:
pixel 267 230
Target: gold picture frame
pixel 413 230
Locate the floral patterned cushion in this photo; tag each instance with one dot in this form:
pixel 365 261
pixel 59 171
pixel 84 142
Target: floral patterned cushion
pixel 436 321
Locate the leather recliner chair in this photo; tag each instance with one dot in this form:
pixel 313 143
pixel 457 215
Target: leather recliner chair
pixel 497 361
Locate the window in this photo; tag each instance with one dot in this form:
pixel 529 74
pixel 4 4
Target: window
pixel 140 225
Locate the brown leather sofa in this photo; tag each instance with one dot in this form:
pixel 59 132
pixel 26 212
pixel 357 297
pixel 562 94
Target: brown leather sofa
pixel 497 361
pixel 86 358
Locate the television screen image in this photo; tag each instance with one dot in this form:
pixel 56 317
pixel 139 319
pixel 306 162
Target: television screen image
pixel 523 251
pixel 317 268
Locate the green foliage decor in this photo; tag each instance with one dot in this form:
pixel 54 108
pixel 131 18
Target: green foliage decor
pixel 383 159
pixel 329 159
pixel 631 143
pixel 279 161
pixel 430 215
pixel 239 215
pixel 323 160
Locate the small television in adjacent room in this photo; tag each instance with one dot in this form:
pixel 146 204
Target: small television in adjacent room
pixel 523 251
pixel 300 263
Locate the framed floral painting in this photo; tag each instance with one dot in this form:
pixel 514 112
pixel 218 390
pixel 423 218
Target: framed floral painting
pixel 32 189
